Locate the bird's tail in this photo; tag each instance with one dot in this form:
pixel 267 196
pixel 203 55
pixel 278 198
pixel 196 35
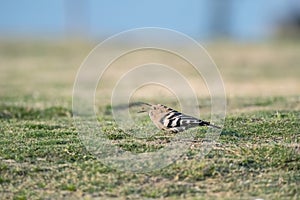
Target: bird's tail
pixel 214 126
pixel 205 123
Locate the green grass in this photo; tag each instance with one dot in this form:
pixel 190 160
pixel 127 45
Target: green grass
pixel 257 155
pixel 42 157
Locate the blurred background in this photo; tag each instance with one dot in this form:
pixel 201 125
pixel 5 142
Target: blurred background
pixel 254 43
pixel 201 19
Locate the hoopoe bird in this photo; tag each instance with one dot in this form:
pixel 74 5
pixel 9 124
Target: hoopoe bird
pixel 170 120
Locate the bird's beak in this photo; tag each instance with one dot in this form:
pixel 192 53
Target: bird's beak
pixel 141 111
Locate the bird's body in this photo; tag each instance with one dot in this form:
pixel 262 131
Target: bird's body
pixel 168 119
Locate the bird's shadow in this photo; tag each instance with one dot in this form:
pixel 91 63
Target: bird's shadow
pixel 228 132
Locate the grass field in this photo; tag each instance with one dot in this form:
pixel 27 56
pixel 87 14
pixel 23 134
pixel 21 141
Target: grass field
pixel 256 156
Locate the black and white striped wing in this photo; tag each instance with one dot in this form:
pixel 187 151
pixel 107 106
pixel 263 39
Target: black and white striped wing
pixel 176 122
